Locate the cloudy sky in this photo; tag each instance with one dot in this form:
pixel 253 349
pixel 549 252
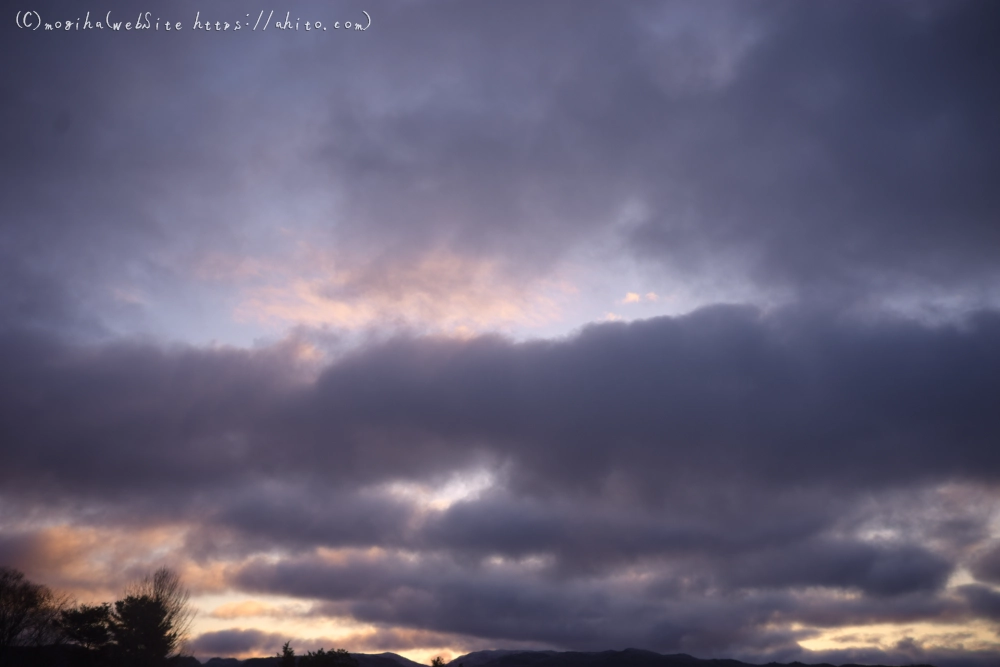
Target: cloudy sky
pixel 560 324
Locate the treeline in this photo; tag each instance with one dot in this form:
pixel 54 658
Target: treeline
pixel 147 626
pixel 321 658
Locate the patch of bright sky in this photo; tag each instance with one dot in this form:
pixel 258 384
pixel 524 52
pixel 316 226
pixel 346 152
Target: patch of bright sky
pixel 199 316
pixel 280 271
pixel 464 485
pixel 962 577
pixel 276 261
pixel 973 635
pixel 270 613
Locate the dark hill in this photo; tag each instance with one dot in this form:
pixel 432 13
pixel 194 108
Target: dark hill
pixel 479 658
pixel 364 660
pixel 384 660
pixel 627 658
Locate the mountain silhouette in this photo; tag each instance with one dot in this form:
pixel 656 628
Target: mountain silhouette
pixel 628 658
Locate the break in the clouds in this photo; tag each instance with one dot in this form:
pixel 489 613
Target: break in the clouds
pixel 574 325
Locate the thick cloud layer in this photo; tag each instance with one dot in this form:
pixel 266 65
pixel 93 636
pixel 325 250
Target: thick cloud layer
pixel 725 392
pixel 677 483
pixel 318 318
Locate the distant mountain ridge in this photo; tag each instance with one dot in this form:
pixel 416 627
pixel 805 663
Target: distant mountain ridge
pixel 627 658
pixel 384 660
pixel 364 660
pixel 477 658
pixel 392 656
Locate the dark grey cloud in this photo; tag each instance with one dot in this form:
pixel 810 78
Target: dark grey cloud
pixel 831 151
pixel 654 407
pixel 986 565
pixel 131 416
pixel 234 642
pixel 19 549
pixel 853 150
pixel 588 614
pixel 128 162
pixel 803 398
pixel 984 600
pixel 341 518
pixel 876 571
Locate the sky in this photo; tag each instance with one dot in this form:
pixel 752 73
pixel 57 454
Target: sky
pixel 549 324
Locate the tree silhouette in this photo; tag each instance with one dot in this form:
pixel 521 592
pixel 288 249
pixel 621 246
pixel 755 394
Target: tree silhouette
pixel 141 630
pixel 29 613
pixel 438 661
pixel 335 658
pixel 88 626
pixel 287 656
pixel 151 622
pixel 164 587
